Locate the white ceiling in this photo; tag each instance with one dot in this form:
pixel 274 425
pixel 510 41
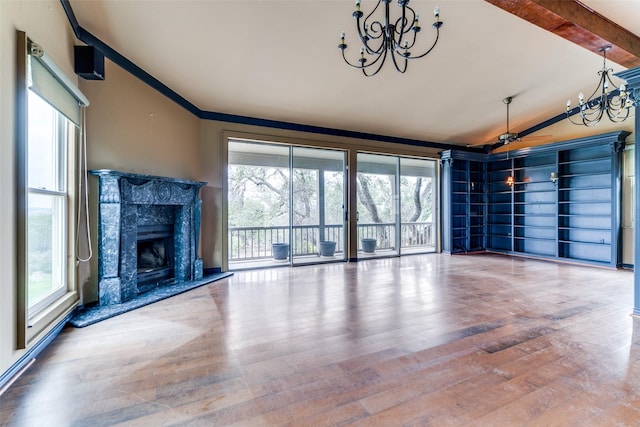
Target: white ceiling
pixel 278 60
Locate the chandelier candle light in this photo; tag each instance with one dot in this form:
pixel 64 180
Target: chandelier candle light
pixel 388 37
pixel 616 103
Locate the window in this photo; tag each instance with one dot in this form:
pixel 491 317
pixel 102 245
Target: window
pixel 48 120
pixel 49 135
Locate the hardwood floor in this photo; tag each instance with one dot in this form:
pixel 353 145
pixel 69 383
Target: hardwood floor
pixel 430 340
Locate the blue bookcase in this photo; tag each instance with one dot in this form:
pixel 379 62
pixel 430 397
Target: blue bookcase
pixel 500 206
pixel 575 216
pixel 535 207
pixel 464 182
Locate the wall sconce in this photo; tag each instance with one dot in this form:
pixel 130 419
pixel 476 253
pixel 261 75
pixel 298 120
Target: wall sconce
pixel 554 177
pixel 509 181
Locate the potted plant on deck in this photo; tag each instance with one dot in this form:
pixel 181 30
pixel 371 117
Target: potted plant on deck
pixel 369 246
pixel 327 249
pixel 280 251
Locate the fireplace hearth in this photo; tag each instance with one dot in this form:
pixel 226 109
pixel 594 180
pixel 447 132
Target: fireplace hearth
pixel 148 234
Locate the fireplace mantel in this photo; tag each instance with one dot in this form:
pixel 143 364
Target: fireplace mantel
pixel 127 201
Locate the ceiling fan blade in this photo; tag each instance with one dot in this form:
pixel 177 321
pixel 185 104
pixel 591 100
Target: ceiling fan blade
pixel 537 137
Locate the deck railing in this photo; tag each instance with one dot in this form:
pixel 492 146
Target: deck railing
pixel 253 243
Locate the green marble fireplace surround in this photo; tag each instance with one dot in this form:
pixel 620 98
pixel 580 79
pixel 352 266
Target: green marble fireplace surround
pixel 135 209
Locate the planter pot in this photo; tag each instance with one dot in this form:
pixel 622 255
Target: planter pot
pixel 280 251
pixel 327 249
pixel 369 246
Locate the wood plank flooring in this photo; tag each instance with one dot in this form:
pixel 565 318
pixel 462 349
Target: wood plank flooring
pixel 429 340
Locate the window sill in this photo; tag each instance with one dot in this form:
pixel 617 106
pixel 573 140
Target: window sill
pixel 51 316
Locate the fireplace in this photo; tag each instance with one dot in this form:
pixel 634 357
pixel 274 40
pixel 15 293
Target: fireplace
pixel 148 234
pixel 155 260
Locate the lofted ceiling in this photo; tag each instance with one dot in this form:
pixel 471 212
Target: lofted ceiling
pixel 279 60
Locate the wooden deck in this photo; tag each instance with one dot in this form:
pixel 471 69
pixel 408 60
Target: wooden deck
pixel 425 340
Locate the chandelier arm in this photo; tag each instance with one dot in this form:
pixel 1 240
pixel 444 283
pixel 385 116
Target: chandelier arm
pixel 381 47
pixel 382 55
pixel 395 62
pixel 590 115
pixel 595 97
pixel 370 31
pixel 617 118
pixel 363 30
pixel 616 107
pixel 409 45
pixel 349 63
pixel 362 66
pixel 366 35
pixel 617 110
pixel 430 49
pixel 400 22
pixel 365 68
pixel 583 121
pixel 592 110
pixel 359 66
pixel 373 11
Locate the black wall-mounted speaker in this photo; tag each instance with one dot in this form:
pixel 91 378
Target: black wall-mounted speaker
pixel 89 62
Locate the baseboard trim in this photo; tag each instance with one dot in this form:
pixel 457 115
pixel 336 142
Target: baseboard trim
pixel 18 368
pixel 210 271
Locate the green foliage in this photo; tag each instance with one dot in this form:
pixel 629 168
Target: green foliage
pixel 334 197
pixel 409 185
pixel 39 260
pixel 258 196
pixel 39 243
pixel 376 198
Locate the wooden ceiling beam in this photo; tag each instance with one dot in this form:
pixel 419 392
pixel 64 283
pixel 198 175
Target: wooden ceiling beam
pixel 573 21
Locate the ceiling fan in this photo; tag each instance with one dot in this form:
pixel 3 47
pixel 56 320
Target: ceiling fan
pixel 508 136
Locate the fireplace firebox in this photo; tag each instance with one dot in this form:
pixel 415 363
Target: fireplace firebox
pixel 148 233
pixel 155 248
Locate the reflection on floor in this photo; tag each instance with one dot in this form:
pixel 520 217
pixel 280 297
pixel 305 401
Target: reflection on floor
pixel 425 340
pixel 315 259
pixel 95 313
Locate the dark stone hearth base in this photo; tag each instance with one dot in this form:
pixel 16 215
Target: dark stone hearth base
pixel 89 315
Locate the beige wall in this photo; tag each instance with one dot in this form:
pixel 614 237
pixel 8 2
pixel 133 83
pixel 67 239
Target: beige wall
pixel 132 128
pixel 45 23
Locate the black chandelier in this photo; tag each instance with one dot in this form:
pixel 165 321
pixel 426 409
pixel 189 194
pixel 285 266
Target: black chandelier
pixel 388 37
pixel 616 102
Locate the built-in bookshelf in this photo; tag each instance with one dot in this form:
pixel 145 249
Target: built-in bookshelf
pixel 562 201
pixel 535 207
pixel 585 192
pixel 465 212
pixel 500 206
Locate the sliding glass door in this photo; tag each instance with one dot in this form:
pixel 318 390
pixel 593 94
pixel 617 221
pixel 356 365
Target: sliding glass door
pixel 286 205
pixel 417 205
pixel 318 200
pixel 377 185
pixel 396 205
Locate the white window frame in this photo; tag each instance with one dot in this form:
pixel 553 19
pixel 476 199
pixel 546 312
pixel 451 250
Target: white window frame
pixel 35 69
pixel 64 138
